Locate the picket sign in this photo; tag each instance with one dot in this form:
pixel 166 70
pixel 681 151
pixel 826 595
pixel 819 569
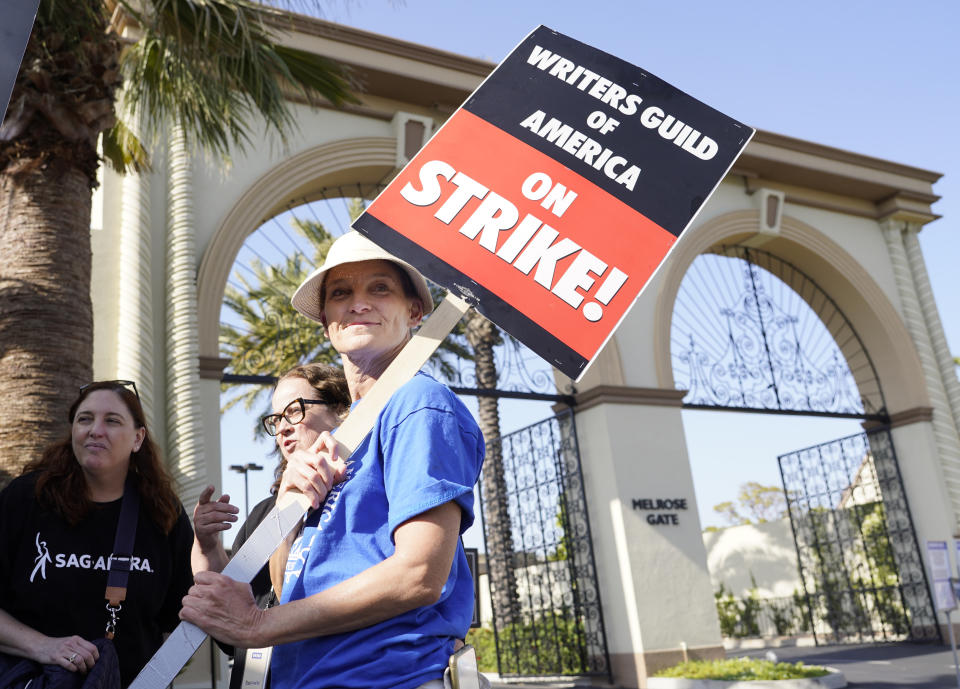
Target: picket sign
pixel 555 192
pixel 284 517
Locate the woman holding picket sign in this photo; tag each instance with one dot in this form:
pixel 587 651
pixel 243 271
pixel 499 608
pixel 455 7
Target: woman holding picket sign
pixel 376 590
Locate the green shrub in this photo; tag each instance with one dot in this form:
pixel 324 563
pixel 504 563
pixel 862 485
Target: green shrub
pixel 481 638
pixel 740 669
pixel 728 611
pixel 750 614
pixel 784 618
pixel 802 607
pixel 740 618
pixel 549 643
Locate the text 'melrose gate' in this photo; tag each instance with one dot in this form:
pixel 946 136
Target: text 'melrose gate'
pixel 552 195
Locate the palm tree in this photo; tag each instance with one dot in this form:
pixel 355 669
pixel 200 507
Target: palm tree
pixel 483 336
pixel 208 67
pixel 273 337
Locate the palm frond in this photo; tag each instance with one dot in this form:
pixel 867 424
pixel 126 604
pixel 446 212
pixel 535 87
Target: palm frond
pixel 215 67
pixel 316 75
pixel 123 150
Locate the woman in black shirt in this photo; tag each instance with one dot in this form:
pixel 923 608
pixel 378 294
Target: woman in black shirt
pixel 58 526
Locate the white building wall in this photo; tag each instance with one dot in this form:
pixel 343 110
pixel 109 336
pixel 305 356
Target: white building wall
pixel 764 554
pixel 218 190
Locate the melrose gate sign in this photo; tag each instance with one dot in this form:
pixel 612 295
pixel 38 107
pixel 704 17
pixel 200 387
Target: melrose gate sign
pixel 660 511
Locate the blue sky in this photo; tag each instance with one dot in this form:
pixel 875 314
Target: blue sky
pixel 877 78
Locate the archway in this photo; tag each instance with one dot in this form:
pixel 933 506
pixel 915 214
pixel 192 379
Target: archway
pixel 363 164
pixel 836 272
pixel 751 331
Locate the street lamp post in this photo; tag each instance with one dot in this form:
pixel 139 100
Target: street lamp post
pixel 244 469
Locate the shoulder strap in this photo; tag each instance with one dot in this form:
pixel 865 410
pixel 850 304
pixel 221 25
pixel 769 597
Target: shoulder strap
pixel 119 568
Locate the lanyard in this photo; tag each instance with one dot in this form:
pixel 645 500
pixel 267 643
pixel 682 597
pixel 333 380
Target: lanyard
pixel 119 569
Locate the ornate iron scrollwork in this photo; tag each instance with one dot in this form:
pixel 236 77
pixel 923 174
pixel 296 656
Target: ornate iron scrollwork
pixel 750 331
pixel 518 370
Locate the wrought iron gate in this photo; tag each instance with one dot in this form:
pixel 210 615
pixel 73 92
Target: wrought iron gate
pixel 557 626
pixel 860 564
pixel 752 332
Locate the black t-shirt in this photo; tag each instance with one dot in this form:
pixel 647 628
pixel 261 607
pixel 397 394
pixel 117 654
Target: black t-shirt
pixel 53 575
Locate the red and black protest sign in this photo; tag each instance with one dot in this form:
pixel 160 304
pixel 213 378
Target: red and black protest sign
pixel 18 17
pixel 557 189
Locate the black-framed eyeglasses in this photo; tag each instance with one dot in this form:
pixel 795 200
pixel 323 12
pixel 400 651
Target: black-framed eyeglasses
pixel 117 383
pixel 293 413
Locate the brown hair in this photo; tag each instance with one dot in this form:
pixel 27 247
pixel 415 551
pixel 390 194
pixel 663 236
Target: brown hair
pixel 331 385
pixel 61 486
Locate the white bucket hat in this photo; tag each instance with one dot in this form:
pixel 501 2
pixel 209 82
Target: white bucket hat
pixel 352 247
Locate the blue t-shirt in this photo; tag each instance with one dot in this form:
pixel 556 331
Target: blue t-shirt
pixel 425 449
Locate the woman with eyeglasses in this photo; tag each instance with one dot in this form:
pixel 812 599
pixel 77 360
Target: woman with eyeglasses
pixel 376 589
pixel 307 401
pixel 95 505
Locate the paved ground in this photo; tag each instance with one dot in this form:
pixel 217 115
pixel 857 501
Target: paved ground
pixel 879 666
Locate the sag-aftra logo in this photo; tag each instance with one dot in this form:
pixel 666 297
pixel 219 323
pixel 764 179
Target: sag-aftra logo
pixel 46 559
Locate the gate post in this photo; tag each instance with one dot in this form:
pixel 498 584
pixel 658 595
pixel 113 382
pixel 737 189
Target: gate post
pixel 924 484
pixel 903 537
pixel 652 565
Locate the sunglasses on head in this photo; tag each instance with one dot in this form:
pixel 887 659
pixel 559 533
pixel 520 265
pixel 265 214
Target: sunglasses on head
pixel 115 383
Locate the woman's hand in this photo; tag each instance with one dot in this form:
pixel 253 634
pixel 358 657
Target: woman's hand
pixel 225 609
pixel 70 652
pixel 314 471
pixel 210 518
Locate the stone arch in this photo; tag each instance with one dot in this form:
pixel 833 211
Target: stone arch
pixel 365 162
pixel 838 273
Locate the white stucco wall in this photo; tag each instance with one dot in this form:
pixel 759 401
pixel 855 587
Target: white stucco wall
pixel 765 552
pixel 651 573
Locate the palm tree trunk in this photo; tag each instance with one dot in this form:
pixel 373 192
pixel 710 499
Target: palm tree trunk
pixel 482 336
pixel 46 317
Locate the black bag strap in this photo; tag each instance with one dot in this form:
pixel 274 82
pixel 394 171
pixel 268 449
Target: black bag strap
pixel 119 568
